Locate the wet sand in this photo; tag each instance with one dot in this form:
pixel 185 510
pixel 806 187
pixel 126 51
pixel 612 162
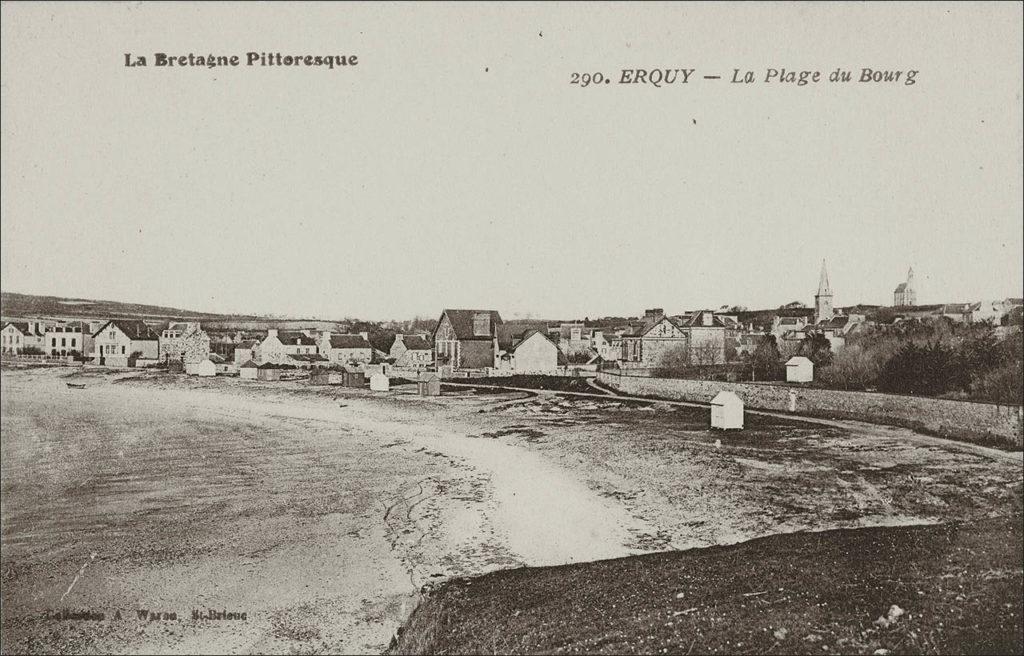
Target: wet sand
pixel 321 512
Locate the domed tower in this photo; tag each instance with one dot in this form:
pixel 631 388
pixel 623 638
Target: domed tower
pixel 823 299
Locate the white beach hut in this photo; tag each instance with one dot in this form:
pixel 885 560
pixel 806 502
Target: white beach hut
pixel 379 383
pixel 206 368
pixel 727 411
pixel 799 370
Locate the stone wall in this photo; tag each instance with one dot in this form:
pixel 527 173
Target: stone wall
pixel 983 423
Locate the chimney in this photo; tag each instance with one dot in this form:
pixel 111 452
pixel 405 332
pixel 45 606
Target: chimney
pixel 654 315
pixel 708 318
pixel 398 338
pixel 272 332
pixel 365 335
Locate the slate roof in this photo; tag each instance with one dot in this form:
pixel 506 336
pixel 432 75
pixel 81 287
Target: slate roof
pixel 177 326
pixel 22 326
pixel 697 322
pixel 416 343
pixel 462 323
pixel 349 341
pixel 137 331
pixel 307 357
pixel 246 344
pixel 295 338
pixel 216 358
pixel 248 364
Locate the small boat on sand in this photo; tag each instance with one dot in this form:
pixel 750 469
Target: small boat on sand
pixel 76 385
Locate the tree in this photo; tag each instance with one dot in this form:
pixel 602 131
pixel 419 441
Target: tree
pixel 817 349
pixel 765 361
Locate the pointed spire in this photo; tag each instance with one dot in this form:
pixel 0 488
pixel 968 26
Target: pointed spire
pixel 824 289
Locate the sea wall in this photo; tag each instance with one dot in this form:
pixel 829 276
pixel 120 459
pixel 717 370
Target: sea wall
pixel 983 423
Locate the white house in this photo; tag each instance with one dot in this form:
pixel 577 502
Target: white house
pixel 535 353
pixel 120 341
pixel 727 411
pixel 278 345
pixel 66 339
pixel 16 336
pixel 345 349
pixel 799 370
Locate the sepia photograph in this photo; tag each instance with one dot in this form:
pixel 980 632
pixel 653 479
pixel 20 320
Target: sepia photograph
pixel 512 328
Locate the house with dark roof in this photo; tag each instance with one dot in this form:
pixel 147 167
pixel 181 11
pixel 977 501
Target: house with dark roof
pixel 467 339
pixel 118 343
pixel 536 353
pixel 705 332
pixel 245 351
pixel 411 351
pixel 16 336
pixel 67 339
pixel 646 344
pixel 278 345
pixel 346 349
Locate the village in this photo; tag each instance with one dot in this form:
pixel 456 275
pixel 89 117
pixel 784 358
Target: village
pixel 727 343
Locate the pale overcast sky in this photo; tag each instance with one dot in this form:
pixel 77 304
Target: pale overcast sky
pixel 456 166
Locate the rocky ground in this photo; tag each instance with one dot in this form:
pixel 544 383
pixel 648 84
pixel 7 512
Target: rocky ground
pixel 321 512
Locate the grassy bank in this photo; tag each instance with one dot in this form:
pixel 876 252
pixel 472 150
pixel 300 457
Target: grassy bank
pixel 958 589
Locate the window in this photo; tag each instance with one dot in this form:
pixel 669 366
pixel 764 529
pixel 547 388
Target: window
pixel 122 350
pixel 63 341
pixel 53 341
pixel 72 342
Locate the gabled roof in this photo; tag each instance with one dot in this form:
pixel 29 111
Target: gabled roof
pixel 462 323
pixel 675 321
pixel 177 326
pixel 697 322
pixel 416 343
pixel 20 325
pixel 248 364
pixel 295 338
pixel 349 341
pixel 246 344
pixel 137 331
pixel 216 358
pixel 530 333
pixel 900 288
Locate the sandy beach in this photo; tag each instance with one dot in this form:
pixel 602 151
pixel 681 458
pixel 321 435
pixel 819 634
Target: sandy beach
pixel 321 512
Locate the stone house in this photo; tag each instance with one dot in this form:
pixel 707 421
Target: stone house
pixel 118 342
pixel 185 342
pixel 467 339
pixel 412 351
pixel 278 345
pixel 346 349
pixel 705 334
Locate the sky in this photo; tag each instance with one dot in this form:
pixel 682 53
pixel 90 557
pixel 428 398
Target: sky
pixel 457 166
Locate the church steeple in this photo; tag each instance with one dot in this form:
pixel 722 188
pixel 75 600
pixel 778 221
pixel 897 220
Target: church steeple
pixel 823 286
pixel 823 299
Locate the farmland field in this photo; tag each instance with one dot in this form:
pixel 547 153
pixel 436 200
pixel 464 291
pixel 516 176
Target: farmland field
pixel 320 512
